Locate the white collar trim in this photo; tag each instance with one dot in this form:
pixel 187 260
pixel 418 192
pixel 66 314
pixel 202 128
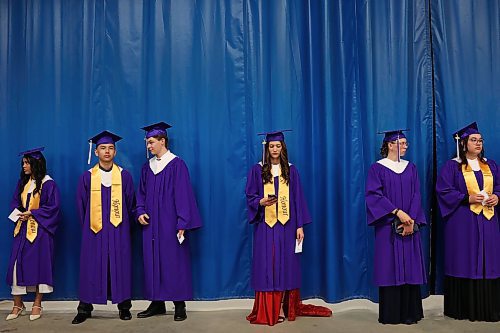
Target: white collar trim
pixel 157 165
pixel 33 183
pixel 397 167
pixel 474 164
pixel 260 163
pixel 106 176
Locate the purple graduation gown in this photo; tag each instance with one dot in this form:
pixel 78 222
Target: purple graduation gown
pixel 471 242
pixel 110 247
pixel 275 266
pixel 35 261
pixel 397 260
pixel 169 200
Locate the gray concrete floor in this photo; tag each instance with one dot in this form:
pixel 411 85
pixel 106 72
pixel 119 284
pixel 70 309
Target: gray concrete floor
pixel 361 320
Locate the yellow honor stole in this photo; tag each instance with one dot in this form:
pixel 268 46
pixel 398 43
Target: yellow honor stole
pixel 32 227
pixel 281 213
pixel 115 214
pixel 473 188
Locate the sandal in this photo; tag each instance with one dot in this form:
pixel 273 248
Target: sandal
pixel 36 316
pixel 20 311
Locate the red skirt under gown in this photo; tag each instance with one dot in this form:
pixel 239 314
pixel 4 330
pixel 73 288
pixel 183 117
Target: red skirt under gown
pixel 266 308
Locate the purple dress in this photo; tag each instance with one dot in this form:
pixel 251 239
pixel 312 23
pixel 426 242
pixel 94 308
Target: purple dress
pixel 275 266
pixel 35 261
pixel 397 260
pixel 109 251
pixel 168 198
pixel 472 243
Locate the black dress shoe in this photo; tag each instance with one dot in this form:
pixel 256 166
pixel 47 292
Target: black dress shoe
pixel 180 313
pixel 81 317
pixel 155 308
pixel 125 315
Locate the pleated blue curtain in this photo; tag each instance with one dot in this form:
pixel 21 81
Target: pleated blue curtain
pixel 220 71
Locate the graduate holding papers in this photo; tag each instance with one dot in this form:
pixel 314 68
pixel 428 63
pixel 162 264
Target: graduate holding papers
pixel 35 213
pixel 167 211
pixel 278 211
pixel 467 189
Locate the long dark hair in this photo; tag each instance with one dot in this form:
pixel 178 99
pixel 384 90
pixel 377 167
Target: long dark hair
pixel 285 167
pixel 38 172
pixel 384 150
pixel 462 151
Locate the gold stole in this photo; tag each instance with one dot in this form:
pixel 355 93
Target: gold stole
pixel 283 203
pixel 115 214
pixel 473 187
pixel 32 227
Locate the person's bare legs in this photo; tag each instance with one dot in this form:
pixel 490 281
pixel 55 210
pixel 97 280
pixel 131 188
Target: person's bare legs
pixel 18 304
pixel 37 303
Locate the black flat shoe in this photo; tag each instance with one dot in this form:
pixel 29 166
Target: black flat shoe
pixel 125 315
pixel 80 318
pixel 180 313
pixel 153 310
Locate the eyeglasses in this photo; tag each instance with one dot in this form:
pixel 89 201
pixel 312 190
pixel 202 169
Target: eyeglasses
pixel 404 144
pixel 474 141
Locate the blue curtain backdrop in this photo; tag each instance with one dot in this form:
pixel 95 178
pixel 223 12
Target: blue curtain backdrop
pixel 335 72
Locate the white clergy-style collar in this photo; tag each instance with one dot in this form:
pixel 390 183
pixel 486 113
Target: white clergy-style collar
pixel 106 176
pixel 33 183
pixel 275 170
pixel 397 167
pixel 474 164
pixel 158 164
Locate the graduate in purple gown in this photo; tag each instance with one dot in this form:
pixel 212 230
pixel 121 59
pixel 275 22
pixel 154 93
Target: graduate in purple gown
pixel 393 191
pixel 278 210
pixel 35 212
pixel 105 202
pixel 468 188
pixel 166 207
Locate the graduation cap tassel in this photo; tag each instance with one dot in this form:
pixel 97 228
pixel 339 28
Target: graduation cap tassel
pixel 90 152
pixel 457 138
pixel 147 151
pixel 263 152
pixel 399 153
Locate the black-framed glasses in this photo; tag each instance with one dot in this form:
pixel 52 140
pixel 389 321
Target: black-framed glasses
pixel 476 140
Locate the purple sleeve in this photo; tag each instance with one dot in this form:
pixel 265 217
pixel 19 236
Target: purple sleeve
pixel 301 210
pixel 129 194
pixel 82 198
pixel 140 207
pixel 16 202
pixel 377 205
pixel 47 215
pixel 188 216
pixel 449 196
pixel 416 212
pixel 496 177
pixel 253 191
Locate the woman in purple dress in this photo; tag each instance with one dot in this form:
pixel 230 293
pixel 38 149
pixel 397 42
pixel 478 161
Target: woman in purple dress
pixel 35 212
pixel 467 189
pixel 278 210
pixel 393 208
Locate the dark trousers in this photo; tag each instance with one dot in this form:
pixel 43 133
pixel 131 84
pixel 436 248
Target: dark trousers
pixel 88 307
pixel 177 304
